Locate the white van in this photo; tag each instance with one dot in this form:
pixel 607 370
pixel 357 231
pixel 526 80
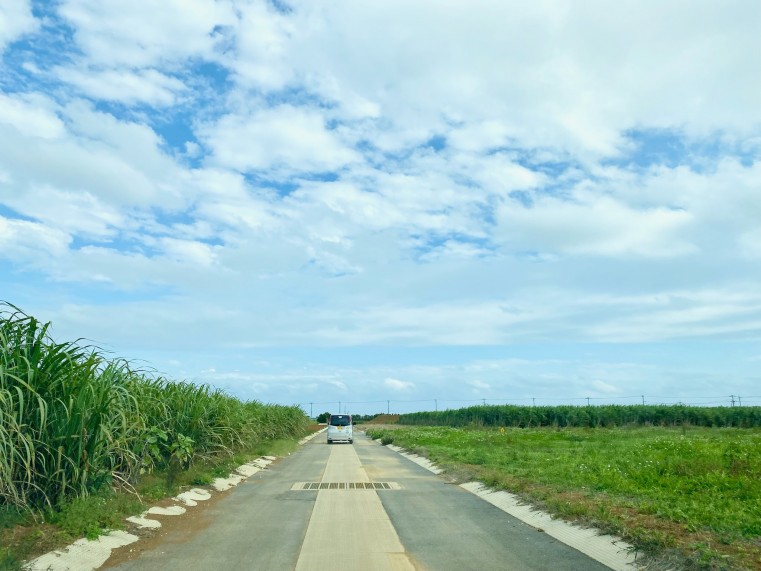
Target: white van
pixel 340 428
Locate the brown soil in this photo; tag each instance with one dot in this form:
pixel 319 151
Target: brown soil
pixel 384 419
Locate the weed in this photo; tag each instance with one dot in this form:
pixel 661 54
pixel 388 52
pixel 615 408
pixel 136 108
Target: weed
pixel 89 516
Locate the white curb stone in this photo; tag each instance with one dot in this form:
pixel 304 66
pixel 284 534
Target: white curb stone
pixel 607 549
pixel 192 497
pixel 419 460
pixel 83 554
pixel 223 484
pixel 144 522
pixel 171 510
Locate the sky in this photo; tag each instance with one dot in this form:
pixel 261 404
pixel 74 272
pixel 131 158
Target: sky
pixel 392 206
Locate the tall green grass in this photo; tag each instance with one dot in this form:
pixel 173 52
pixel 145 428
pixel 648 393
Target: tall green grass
pixel 606 416
pixel 73 420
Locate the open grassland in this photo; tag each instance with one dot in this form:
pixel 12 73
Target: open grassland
pixel 686 497
pixel 79 430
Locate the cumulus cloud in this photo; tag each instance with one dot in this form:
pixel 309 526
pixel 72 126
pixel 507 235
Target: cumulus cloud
pixel 120 35
pixel 283 138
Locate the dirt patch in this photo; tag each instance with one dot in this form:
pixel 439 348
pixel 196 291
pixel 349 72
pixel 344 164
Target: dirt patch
pixel 384 419
pixel 31 541
pixel 173 528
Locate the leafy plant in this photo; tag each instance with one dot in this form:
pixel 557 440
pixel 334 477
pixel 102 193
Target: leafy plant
pixel 73 422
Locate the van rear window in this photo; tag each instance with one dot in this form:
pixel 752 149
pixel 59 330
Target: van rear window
pixel 339 420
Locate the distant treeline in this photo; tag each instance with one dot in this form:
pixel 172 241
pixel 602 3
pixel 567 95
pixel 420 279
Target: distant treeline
pixel 589 416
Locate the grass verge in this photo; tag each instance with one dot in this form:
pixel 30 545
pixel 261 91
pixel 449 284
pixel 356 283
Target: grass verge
pixel 686 498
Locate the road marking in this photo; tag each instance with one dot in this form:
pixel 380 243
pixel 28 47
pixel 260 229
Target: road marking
pixel 351 531
pixel 306 486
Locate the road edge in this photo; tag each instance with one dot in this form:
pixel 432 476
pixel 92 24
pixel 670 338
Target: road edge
pixel 609 550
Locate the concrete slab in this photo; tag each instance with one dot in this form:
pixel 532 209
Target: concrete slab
pixel 350 527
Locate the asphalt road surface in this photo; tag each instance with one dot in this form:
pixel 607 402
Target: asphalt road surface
pixel 283 518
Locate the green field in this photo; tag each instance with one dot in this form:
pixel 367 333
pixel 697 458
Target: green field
pixel 687 496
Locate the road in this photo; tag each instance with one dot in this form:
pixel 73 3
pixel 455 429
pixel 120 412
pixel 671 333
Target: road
pixel 416 522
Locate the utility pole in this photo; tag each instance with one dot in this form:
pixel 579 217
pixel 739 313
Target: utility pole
pixel 733 399
pixel 587 401
pixel 739 401
pixel 310 410
pixel 484 401
pixel 388 407
pixel 643 400
pixel 533 401
pixel 436 404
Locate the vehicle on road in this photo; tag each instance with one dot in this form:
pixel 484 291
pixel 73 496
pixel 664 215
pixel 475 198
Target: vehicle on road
pixel 340 428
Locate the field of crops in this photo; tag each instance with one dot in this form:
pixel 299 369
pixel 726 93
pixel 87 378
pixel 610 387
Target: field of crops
pixel 589 416
pixel 692 494
pixel 73 421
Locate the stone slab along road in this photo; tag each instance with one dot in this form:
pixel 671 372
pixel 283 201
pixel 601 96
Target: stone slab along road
pixel 356 507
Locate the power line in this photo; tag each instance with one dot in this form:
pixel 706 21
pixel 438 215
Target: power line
pixel 651 400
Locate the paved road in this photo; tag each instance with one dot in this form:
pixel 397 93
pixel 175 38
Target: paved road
pixel 419 523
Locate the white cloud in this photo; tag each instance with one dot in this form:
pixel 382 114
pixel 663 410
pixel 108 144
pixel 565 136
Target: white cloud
pixel 121 35
pixel 397 385
pixel 605 388
pixel 16 19
pixel 284 138
pixel 600 226
pixel 188 251
pixel 479 385
pixel 124 85
pixel 573 76
pixel 31 115
pixel 30 242
pixel 261 43
pixel 72 212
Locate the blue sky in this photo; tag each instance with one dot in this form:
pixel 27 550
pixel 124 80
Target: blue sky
pixel 360 202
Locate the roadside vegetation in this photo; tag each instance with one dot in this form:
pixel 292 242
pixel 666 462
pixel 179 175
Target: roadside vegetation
pixel 686 497
pixel 605 416
pixel 86 439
